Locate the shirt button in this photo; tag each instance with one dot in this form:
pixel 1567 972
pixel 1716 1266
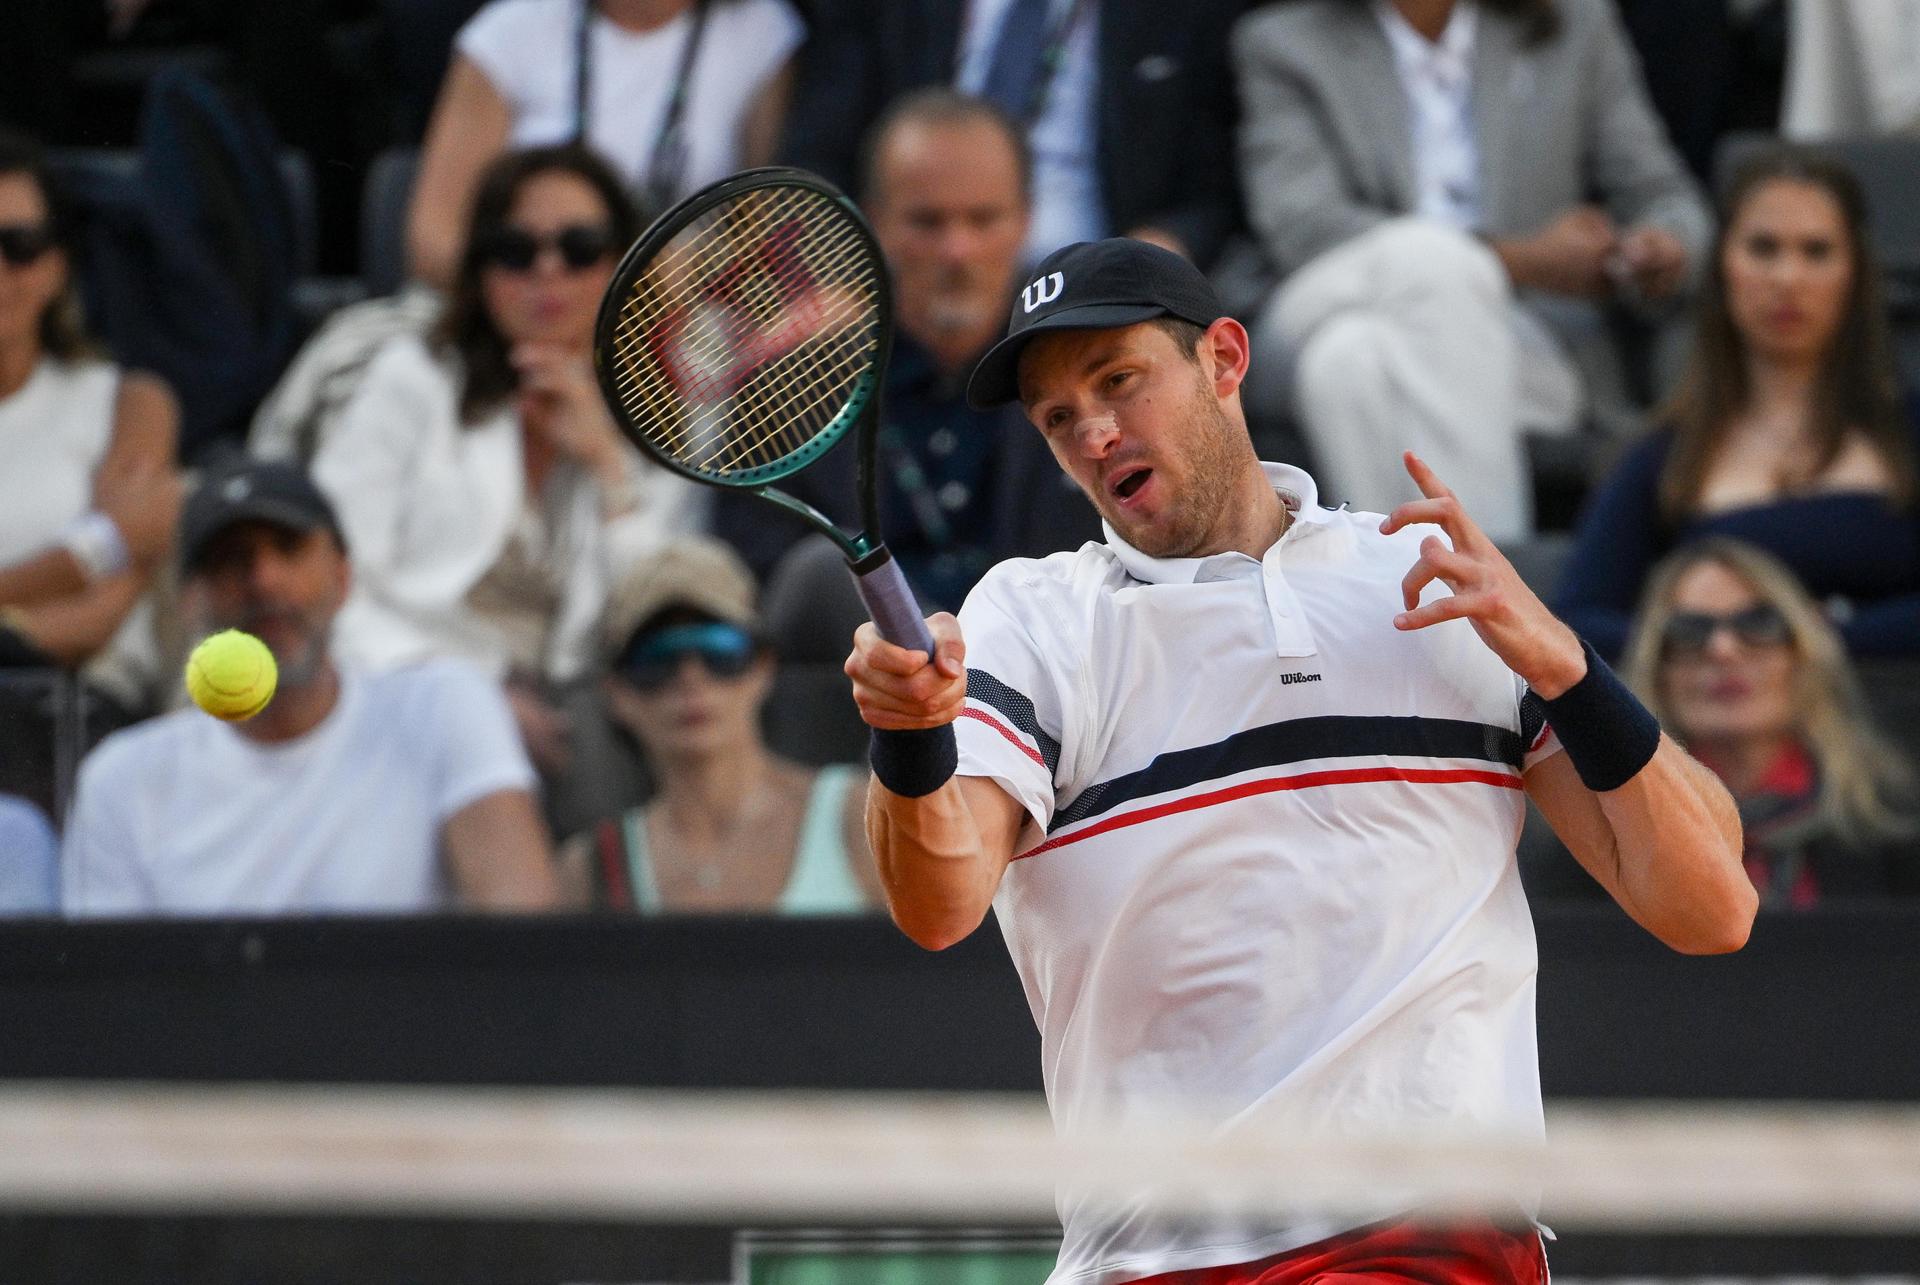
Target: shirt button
pixel 954 496
pixel 942 442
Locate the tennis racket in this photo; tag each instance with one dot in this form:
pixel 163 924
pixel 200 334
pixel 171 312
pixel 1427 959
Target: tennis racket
pixel 745 334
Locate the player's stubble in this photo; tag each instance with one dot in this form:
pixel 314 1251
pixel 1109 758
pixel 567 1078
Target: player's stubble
pixel 1213 451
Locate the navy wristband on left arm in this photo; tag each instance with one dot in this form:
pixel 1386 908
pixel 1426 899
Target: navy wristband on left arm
pixel 1609 735
pixel 917 762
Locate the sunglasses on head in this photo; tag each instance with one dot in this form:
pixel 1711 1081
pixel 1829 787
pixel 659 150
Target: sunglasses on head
pixel 1761 625
pixel 24 243
pixel 652 660
pixel 579 245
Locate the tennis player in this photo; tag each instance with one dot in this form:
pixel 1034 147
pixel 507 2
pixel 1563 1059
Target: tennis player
pixel 1243 784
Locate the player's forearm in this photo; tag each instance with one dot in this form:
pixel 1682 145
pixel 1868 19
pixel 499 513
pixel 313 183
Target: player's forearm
pixel 1677 841
pixel 935 863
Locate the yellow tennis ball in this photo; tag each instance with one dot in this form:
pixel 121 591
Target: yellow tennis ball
pixel 232 675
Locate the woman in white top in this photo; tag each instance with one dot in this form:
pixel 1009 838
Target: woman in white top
pixel 732 827
pixel 484 493
pixel 87 488
pixel 673 93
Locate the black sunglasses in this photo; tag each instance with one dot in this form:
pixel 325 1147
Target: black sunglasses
pixel 23 243
pixel 1761 625
pixel 580 245
pixel 653 659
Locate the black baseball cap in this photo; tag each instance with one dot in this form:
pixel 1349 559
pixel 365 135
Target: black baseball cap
pixel 253 491
pixel 1092 285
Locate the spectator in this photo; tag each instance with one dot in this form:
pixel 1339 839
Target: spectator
pixel 486 493
pixel 946 189
pixel 1425 174
pixel 673 93
pixel 1850 69
pixel 350 792
pixel 87 496
pixel 1743 670
pixel 1787 432
pixel 29 859
pixel 732 827
pixel 1129 108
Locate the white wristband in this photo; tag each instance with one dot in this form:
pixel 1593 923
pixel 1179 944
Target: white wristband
pixel 95 542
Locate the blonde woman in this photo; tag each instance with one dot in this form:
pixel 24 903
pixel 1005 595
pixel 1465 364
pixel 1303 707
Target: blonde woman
pixel 1742 668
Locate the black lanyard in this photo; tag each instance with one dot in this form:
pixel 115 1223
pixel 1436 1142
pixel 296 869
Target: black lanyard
pixel 1052 53
pixel 667 164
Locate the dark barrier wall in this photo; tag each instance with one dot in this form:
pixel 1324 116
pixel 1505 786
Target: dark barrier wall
pixel 1818 1006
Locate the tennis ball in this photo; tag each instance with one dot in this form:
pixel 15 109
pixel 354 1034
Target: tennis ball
pixel 231 675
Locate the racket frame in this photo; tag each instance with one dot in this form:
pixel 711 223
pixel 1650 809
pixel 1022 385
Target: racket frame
pixel 864 550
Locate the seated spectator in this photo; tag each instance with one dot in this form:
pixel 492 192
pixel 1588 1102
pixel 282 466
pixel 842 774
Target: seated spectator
pixel 29 859
pixel 946 189
pixel 87 492
pixel 350 793
pixel 1787 432
pixel 1455 193
pixel 674 94
pixel 732 827
pixel 1850 70
pixel 487 496
pixel 1127 105
pixel 1747 674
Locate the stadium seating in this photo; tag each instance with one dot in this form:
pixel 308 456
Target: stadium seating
pixel 383 219
pixel 810 610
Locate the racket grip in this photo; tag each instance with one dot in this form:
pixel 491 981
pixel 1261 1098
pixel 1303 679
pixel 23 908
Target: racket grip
pixel 890 601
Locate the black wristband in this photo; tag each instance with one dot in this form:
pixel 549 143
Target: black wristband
pixel 917 762
pixel 1609 735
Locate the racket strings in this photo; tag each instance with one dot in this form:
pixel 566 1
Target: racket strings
pixel 748 336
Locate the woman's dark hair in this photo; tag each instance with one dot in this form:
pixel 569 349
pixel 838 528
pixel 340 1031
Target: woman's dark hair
pixel 1856 389
pixel 465 326
pixel 63 333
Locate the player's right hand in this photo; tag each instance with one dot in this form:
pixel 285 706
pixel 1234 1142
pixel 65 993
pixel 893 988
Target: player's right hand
pixel 899 690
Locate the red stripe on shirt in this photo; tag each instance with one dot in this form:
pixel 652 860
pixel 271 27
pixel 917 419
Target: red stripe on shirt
pixel 1304 781
pixel 1546 730
pixel 1000 727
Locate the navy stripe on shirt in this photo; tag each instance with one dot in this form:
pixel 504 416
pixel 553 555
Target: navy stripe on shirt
pixel 1296 740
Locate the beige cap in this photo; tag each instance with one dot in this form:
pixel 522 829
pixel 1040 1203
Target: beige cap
pixel 693 571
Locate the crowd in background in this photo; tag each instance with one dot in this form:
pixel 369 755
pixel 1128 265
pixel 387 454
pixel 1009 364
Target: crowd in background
pixel 1562 248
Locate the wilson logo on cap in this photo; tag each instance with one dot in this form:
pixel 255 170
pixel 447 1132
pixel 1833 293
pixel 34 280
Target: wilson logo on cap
pixel 1042 290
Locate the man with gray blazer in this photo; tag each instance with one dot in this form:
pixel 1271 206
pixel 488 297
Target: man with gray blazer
pixel 1455 191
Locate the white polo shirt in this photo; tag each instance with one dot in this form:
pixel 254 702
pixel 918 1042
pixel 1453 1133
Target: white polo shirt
pixel 1269 861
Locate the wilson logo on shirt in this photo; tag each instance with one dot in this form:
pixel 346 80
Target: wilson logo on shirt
pixel 1287 680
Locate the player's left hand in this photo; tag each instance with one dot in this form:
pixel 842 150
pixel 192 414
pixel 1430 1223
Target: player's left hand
pixel 1487 592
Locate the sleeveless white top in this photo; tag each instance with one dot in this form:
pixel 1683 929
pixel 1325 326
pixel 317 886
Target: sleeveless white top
pixel 54 431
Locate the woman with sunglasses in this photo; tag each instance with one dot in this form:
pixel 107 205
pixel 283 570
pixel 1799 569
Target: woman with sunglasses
pixel 1745 671
pixel 483 489
pixel 731 827
pixel 88 492
pixel 1788 431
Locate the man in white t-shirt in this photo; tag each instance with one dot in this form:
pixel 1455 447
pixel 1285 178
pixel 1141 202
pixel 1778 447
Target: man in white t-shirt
pixel 404 792
pixel 1243 784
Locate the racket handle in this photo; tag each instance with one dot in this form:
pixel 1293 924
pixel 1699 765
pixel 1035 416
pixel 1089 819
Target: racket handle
pixel 890 601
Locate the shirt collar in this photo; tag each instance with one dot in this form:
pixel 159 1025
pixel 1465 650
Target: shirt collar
pixel 1297 492
pixel 1446 59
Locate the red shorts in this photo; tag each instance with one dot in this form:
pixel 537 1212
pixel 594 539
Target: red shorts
pixel 1394 1254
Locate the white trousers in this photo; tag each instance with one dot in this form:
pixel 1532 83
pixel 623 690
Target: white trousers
pixel 1407 337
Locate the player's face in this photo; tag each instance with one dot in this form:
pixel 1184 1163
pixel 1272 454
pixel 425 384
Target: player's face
pixel 280 585
pixel 1739 684
pixel 552 298
pixel 1139 426
pixel 27 288
pixel 1788 265
pixel 950 218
